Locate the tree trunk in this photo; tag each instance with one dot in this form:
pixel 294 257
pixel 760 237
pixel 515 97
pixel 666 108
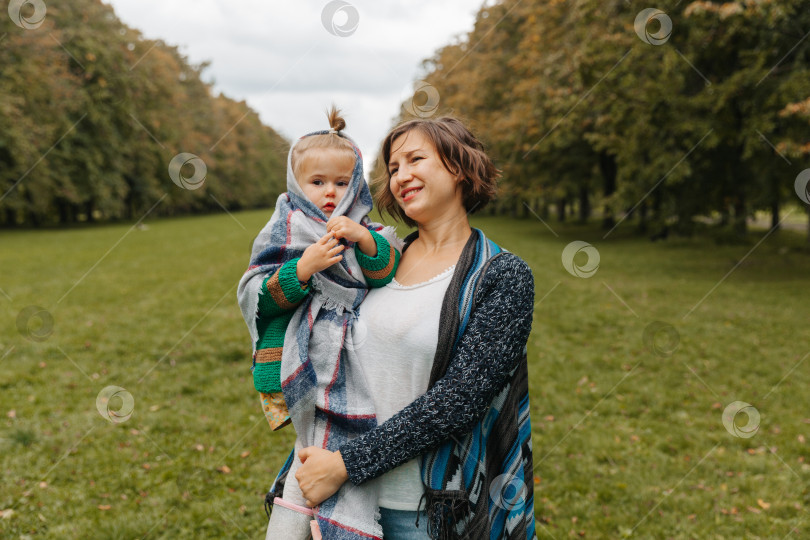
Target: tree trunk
pixel 642 218
pixel 724 215
pixel 584 204
pixel 11 217
pixel 561 209
pixel 607 164
pixel 88 208
pixel 740 226
pixel 808 224
pixel 775 214
pixel 64 211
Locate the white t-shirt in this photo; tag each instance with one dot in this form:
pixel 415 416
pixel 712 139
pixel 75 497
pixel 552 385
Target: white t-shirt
pixel 396 337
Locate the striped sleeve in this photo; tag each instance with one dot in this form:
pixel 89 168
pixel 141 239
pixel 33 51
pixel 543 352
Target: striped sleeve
pixel 379 270
pixel 282 291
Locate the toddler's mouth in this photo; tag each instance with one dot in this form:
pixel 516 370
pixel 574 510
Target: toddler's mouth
pixel 329 207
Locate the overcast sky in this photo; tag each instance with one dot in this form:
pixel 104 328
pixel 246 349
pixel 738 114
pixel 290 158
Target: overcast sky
pixel 280 57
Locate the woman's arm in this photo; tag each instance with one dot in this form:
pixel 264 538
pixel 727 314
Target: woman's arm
pixel 488 351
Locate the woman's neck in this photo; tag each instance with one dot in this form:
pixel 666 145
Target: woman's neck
pixel 439 235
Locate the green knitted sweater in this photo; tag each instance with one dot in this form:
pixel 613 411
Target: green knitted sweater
pixel 281 293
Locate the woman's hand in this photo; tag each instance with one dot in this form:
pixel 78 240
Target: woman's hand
pixel 343 227
pixel 319 256
pixel 321 474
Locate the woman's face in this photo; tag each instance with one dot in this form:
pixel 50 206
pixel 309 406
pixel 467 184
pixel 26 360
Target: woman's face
pixel 420 183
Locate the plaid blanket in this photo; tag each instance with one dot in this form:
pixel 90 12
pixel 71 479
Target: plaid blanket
pixel 327 399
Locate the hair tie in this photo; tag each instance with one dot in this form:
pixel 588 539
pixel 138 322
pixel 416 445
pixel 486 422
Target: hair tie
pixel 334 131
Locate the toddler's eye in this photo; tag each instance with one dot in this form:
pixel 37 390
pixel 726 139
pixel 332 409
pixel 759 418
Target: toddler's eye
pixel 343 184
pixel 317 182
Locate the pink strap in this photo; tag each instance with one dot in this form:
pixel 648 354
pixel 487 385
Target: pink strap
pixel 316 531
pixel 287 504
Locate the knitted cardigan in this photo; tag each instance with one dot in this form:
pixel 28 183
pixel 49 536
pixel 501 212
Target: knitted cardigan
pixel 472 426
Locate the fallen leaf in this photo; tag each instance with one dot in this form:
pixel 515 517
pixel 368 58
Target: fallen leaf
pixel 104 507
pixel 244 454
pixel 6 514
pixel 12 413
pixel 763 504
pixel 801 438
pixel 225 469
pixel 146 466
pixel 754 510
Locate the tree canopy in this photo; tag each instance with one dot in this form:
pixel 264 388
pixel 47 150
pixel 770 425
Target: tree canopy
pixel 660 115
pixel 91 115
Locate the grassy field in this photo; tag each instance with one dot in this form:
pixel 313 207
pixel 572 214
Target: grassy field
pixel 631 371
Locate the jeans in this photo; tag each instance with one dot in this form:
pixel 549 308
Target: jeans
pixel 401 525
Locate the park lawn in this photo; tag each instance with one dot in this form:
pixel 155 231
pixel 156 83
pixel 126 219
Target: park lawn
pixel 628 436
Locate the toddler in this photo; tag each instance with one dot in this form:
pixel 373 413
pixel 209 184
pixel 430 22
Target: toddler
pixel 299 298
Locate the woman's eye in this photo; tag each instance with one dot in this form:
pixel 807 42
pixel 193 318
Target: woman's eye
pixel 415 158
pixel 392 172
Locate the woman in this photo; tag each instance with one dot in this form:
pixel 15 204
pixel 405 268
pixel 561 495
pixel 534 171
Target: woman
pixel 453 451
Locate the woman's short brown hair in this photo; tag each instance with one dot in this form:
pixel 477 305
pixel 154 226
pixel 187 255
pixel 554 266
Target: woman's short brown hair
pixel 461 153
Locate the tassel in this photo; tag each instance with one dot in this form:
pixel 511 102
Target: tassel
pixel 445 510
pixel 268 502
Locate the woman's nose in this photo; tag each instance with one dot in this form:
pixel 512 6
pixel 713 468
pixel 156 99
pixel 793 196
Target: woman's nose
pixel 404 174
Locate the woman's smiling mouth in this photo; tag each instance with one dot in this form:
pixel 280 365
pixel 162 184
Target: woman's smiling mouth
pixel 410 193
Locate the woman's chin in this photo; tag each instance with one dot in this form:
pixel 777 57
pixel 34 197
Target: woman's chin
pixel 413 213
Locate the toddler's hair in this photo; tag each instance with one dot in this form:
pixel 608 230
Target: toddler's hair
pixel 327 140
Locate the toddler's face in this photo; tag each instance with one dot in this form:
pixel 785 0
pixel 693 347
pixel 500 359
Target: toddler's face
pixel 324 176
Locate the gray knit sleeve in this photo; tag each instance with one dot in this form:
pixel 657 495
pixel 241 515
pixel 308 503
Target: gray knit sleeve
pixel 491 346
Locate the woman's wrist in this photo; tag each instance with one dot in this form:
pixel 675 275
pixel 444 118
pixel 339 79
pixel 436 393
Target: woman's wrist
pixel 340 467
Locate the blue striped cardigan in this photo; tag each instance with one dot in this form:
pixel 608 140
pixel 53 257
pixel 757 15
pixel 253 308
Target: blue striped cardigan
pixel 472 426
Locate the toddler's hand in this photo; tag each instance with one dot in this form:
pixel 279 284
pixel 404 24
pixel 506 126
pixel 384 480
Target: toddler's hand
pixel 319 256
pixel 344 227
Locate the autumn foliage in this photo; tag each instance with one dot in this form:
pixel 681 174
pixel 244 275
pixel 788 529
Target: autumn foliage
pixel 91 115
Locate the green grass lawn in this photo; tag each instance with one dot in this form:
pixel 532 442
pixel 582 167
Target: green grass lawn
pixel 628 433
